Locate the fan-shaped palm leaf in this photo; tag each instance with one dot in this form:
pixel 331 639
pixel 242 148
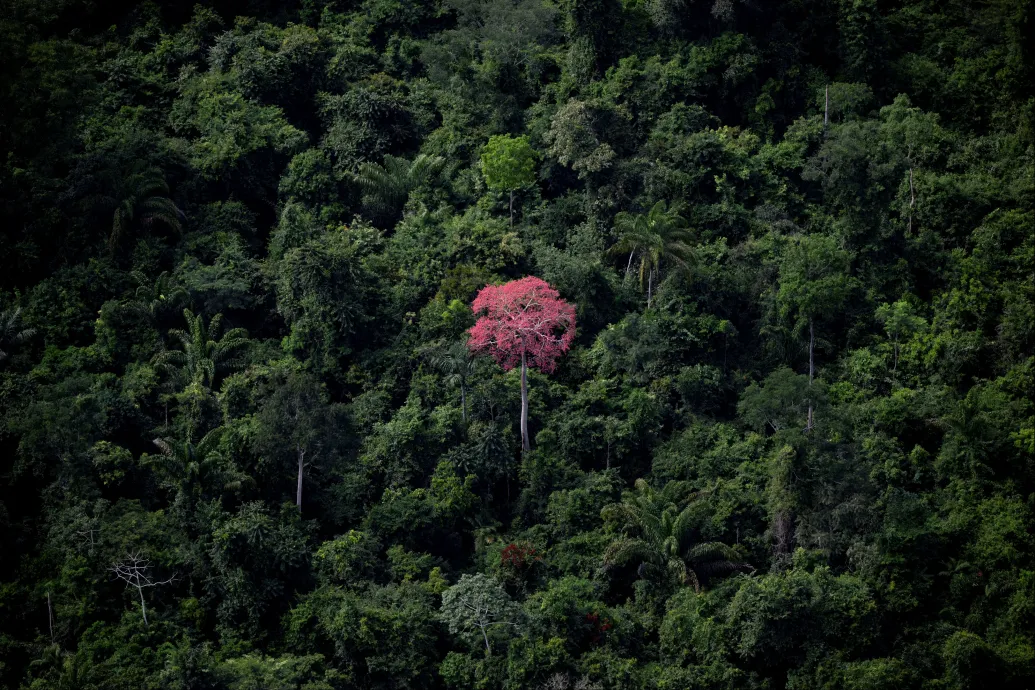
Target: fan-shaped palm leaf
pixel 141 196
pixel 665 546
pixel 387 185
pixel 658 236
pixel 11 333
pixel 201 354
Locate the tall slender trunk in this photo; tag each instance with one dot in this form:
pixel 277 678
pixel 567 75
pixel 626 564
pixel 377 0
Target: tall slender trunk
pixel 629 265
pixel 912 198
pixel 512 208
pixel 525 445
pixel 812 368
pixel 463 402
pixel 650 286
pixel 143 609
pixel 50 617
pixel 488 649
pixel 301 466
pixel 826 109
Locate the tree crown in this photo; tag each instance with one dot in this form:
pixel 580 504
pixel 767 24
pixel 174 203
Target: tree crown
pixel 508 163
pixel 524 316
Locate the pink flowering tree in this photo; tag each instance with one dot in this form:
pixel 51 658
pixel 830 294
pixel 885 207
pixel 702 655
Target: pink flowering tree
pixel 522 322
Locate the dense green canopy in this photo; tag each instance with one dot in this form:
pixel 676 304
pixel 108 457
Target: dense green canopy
pixel 244 444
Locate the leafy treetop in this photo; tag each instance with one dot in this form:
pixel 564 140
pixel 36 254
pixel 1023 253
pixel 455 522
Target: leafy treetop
pixel 523 317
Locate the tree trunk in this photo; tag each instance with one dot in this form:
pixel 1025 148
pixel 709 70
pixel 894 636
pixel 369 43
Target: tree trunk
pixel 512 208
pixel 912 198
pixel 525 445
pixel 488 649
pixel 629 265
pixel 826 109
pixel 783 532
pixel 50 617
pixel 143 609
pixel 650 286
pixel 812 345
pixel 463 402
pixel 301 466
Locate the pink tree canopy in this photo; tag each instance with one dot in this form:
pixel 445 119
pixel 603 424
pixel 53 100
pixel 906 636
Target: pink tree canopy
pixel 522 316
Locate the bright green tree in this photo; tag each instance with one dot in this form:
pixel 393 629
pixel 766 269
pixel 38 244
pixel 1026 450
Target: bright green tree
pixel 508 164
pixel 814 283
pixel 900 321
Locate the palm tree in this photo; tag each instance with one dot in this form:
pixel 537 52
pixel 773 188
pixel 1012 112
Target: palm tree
pixel 141 197
pixel 153 298
pixel 665 545
pixel 11 333
pixel 659 235
pixel 190 466
pixel 202 354
pixel 457 365
pixel 387 186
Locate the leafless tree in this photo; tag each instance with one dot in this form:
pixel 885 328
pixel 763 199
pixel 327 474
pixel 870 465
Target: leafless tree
pixel 135 571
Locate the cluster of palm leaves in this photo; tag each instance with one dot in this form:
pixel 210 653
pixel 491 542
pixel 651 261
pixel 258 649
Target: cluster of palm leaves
pixel 653 238
pixel 187 466
pixel 387 185
pixel 457 364
pixel 661 538
pixel 153 298
pixel 141 197
pixel 203 350
pixel 11 332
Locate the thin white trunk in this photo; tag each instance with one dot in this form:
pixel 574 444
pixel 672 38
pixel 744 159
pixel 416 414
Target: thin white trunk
pixel 812 368
pixel 912 198
pixel 826 109
pixel 301 467
pixel 143 609
pixel 525 445
pixel 50 617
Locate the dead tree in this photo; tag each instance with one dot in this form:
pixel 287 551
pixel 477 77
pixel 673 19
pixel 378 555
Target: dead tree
pixel 135 571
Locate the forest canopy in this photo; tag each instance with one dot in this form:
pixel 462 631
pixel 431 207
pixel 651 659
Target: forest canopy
pixel 517 344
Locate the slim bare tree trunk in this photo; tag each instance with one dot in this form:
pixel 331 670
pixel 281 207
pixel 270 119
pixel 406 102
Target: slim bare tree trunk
pixel 50 617
pixel 826 109
pixel 629 265
pixel 650 286
pixel 525 445
pixel 488 649
pixel 812 368
pixel 912 198
pixel 301 466
pixel 143 609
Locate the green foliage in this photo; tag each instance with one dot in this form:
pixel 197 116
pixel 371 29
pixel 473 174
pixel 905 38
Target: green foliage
pixel 508 163
pixel 240 247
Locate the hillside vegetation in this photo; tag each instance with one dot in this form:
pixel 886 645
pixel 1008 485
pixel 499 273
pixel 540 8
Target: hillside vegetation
pixel 776 374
